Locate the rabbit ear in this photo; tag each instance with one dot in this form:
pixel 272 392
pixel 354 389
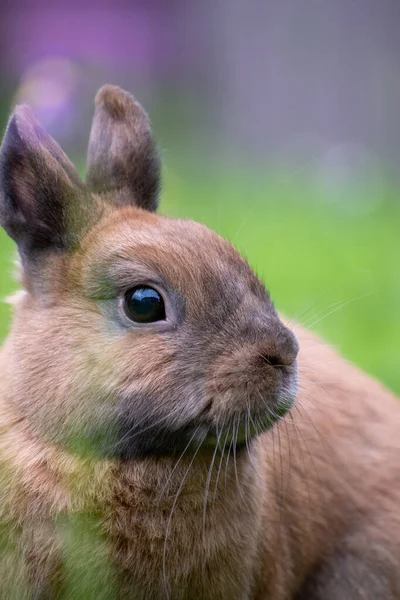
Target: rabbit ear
pixel 122 154
pixel 43 203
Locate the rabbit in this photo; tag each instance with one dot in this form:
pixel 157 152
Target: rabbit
pixel 165 433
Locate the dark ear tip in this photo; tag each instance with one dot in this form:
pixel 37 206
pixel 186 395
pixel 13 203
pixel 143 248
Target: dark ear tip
pixel 118 103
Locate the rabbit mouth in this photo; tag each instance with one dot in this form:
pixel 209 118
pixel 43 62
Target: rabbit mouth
pixel 149 438
pixel 232 437
pixel 240 431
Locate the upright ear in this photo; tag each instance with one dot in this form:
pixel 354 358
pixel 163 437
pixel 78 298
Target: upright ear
pixel 122 154
pixel 43 203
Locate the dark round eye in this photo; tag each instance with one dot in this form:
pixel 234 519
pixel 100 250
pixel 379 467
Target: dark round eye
pixel 144 305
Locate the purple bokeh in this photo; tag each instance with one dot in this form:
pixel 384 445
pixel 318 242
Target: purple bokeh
pixel 139 38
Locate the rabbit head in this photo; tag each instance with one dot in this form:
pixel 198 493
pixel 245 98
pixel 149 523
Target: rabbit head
pixel 135 334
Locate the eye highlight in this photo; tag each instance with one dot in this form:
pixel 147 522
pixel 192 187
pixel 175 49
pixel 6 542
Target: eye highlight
pixel 144 304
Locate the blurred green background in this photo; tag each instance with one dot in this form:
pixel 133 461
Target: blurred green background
pixel 278 124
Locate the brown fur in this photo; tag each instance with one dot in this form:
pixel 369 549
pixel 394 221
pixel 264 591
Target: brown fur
pixel 308 511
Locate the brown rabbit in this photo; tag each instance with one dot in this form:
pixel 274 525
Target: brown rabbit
pixel 162 436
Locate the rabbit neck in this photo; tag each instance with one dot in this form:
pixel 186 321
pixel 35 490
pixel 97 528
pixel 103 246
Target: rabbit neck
pixel 176 530
pixel 172 528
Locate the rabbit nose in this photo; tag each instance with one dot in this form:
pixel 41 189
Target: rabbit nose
pixel 281 351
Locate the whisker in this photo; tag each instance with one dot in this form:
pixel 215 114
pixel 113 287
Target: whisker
pixel 164 557
pixel 227 457
pixel 247 435
pixel 220 465
pixel 179 460
pixel 340 306
pixel 206 490
pixel 236 434
pixel 130 435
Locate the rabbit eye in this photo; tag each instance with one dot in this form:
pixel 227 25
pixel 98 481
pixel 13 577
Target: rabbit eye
pixel 144 305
